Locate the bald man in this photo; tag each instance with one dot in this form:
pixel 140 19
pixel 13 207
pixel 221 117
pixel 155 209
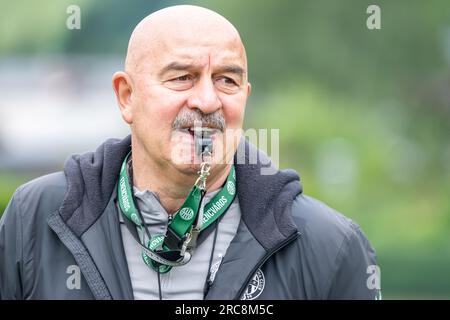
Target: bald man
pixel 173 211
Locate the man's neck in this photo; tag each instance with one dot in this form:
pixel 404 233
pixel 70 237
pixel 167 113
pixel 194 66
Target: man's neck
pixel 169 184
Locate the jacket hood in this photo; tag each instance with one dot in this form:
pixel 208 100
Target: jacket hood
pixel 92 177
pixel 265 195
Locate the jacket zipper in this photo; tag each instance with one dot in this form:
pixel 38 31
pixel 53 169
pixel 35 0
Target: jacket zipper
pixel 264 259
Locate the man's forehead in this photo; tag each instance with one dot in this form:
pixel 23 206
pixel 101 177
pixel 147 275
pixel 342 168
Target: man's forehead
pixel 201 56
pixel 199 37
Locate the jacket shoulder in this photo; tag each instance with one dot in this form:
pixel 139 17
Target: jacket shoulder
pixel 21 226
pixel 44 194
pixel 336 249
pixel 316 219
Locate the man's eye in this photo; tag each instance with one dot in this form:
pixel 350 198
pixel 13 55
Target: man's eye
pixel 227 81
pixel 227 85
pixel 183 82
pixel 185 77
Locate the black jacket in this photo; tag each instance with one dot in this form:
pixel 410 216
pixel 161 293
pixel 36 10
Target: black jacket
pixel 287 246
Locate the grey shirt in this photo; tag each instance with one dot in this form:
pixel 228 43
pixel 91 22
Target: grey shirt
pixel 184 282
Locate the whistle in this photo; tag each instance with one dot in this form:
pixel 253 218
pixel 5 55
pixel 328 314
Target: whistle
pixel 203 141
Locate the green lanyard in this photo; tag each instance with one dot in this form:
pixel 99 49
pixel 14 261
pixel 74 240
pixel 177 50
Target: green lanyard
pixel 158 252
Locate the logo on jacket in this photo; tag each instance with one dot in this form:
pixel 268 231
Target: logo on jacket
pixel 214 268
pixel 255 287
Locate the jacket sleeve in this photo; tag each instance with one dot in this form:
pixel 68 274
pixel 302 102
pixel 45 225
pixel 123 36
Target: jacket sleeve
pixel 357 275
pixel 11 251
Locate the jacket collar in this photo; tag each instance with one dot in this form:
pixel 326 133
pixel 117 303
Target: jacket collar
pixel 91 179
pixel 264 197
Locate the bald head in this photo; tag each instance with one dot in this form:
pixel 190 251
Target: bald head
pixel 183 25
pixel 184 64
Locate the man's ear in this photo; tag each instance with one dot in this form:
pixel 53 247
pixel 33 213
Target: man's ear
pixel 249 89
pixel 123 87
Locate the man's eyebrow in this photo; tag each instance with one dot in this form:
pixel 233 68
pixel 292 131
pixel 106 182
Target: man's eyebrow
pixel 232 68
pixel 178 66
pixel 175 66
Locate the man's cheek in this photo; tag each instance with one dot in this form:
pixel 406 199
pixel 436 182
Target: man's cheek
pixel 234 117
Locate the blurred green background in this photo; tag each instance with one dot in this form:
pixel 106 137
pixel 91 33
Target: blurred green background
pixel 364 115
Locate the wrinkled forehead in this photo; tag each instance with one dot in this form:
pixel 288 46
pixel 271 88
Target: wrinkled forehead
pixel 198 52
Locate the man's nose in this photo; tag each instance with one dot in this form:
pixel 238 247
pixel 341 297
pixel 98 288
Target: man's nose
pixel 204 97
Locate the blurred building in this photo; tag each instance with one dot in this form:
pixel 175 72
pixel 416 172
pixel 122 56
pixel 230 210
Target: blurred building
pixel 52 106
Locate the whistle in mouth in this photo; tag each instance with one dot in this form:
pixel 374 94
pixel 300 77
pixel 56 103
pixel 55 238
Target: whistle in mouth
pixel 203 141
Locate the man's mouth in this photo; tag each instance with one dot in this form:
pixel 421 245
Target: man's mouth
pixel 200 132
pixel 199 140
